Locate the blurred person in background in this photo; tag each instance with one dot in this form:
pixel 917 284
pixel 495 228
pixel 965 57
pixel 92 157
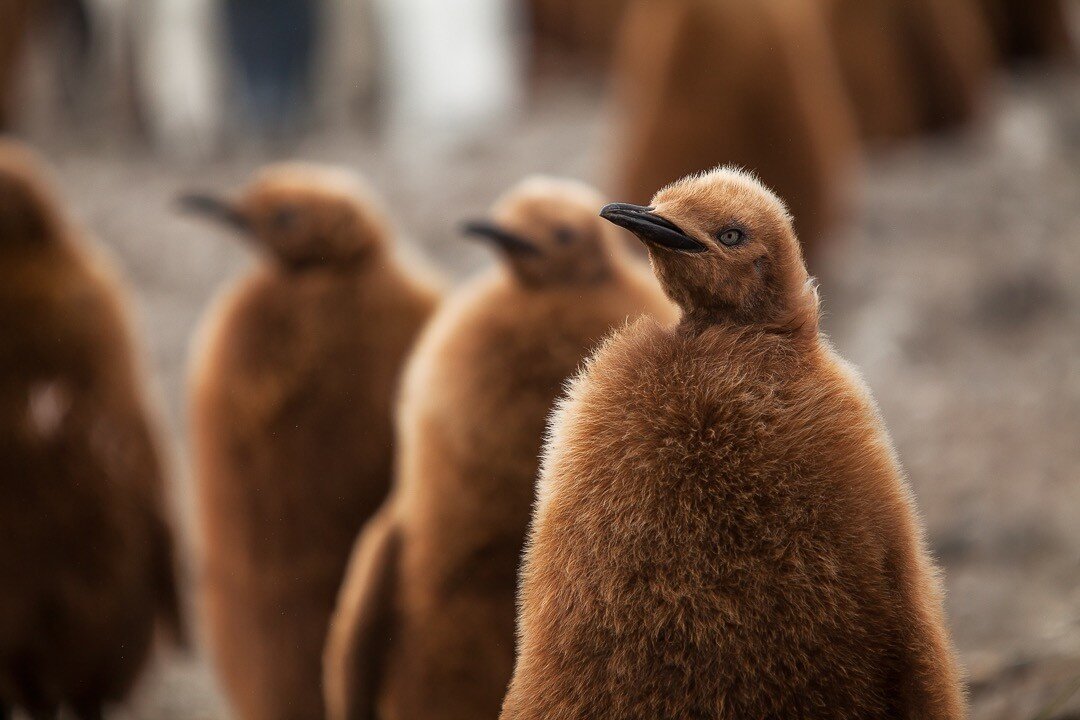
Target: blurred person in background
pixel 271 44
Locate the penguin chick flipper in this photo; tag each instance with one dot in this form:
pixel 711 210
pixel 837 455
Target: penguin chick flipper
pixel 167 586
pixel 362 624
pixel 928 683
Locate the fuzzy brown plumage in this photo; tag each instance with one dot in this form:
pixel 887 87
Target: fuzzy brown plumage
pixel 1030 28
pixel 582 29
pixel 425 625
pixel 702 82
pixel 15 17
pixel 86 555
pixel 722 529
pixel 911 66
pixel 291 422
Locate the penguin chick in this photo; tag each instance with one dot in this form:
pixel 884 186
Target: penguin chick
pixel 911 66
pixel 722 530
pixel 424 627
pixel 1026 29
pixel 700 82
pixel 86 560
pixel 292 392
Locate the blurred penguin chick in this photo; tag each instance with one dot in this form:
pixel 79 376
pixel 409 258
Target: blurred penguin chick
pixel 292 393
pixel 911 66
pixel 424 627
pixel 722 530
pixel 703 82
pixel 87 559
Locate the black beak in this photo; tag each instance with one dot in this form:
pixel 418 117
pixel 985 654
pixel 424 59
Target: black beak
pixel 214 208
pixel 651 228
pixel 508 241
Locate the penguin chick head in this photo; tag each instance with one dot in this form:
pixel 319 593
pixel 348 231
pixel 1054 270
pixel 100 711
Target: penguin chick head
pixel 305 216
pixel 724 248
pixel 549 234
pixel 27 213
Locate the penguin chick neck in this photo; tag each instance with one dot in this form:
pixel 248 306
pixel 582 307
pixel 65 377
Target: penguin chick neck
pixel 549 235
pixel 724 249
pixel 304 217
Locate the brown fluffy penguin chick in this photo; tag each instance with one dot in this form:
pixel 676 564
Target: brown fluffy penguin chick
pixel 292 393
pixel 86 552
pixel 1030 28
pixel 702 82
pixel 424 628
pixel 911 66
pixel 722 530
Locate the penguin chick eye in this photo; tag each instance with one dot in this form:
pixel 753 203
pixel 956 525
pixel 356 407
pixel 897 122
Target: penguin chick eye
pixel 565 235
pixel 732 237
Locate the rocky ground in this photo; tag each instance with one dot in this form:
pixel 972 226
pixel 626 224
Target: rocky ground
pixel 956 288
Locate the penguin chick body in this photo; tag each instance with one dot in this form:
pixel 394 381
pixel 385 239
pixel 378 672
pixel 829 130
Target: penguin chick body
pixel 703 82
pixel 911 66
pixel 722 530
pixel 424 628
pixel 291 409
pixel 86 556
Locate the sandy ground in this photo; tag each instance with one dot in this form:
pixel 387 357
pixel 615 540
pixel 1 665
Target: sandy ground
pixel 955 288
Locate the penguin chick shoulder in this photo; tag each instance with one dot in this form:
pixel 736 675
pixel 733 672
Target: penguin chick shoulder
pixel 424 628
pixel 292 393
pixel 87 559
pixel 722 529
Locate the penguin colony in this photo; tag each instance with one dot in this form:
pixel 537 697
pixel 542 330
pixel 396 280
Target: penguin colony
pixel 429 601
pixel 720 529
pixel 87 570
pixel 291 422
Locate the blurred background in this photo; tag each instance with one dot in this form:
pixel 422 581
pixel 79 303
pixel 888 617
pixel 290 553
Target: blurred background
pixel 947 241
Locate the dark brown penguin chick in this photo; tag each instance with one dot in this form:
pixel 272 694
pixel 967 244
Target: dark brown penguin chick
pixel 292 392
pixel 702 82
pixel 722 529
pixel 1030 29
pixel 86 553
pixel 424 628
pixel 911 66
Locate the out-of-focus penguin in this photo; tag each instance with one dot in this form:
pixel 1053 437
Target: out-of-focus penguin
pixel 424 628
pixel 293 384
pixel 87 567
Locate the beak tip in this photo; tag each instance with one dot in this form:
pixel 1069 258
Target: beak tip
pixel 210 206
